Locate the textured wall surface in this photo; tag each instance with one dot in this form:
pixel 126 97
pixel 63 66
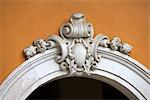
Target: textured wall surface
pixel 23 21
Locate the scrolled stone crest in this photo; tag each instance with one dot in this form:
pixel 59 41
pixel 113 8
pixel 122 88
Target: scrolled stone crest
pixel 77 27
pixel 78 47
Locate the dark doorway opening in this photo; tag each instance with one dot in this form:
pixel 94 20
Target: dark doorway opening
pixel 76 88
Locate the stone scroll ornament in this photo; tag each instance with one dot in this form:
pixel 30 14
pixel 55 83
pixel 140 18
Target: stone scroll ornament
pixel 78 47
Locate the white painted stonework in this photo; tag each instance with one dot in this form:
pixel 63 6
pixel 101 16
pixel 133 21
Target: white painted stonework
pixel 75 53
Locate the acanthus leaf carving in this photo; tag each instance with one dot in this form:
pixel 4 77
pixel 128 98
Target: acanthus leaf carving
pixel 78 47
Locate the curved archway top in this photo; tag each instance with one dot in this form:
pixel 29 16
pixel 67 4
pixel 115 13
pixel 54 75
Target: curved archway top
pixel 76 53
pixel 78 47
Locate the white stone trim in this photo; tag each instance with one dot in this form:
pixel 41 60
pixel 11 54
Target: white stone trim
pixel 78 46
pixel 118 70
pixel 77 53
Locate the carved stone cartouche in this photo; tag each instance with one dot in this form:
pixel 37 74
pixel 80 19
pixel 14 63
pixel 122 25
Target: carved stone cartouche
pixel 78 47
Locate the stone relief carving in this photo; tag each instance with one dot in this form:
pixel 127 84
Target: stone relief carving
pixel 40 45
pixel 125 48
pixel 78 47
pixel 30 51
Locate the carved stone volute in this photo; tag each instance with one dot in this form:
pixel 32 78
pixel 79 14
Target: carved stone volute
pixel 78 47
pixel 77 27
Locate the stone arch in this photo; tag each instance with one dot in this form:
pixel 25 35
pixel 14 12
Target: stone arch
pixel 77 53
pixel 118 70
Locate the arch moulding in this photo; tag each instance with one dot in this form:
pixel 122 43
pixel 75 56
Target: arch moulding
pixel 75 53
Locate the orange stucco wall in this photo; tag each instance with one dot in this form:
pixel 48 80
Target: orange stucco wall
pixel 23 21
